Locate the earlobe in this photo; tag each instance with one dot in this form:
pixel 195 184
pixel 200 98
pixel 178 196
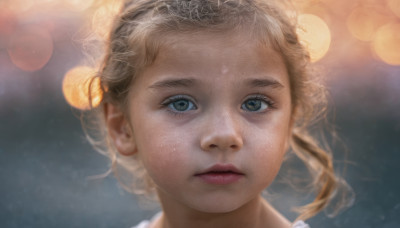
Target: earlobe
pixel 119 130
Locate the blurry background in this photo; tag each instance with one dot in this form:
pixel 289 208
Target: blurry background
pixel 45 161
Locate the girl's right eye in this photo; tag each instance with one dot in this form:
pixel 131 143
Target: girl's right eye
pixel 179 104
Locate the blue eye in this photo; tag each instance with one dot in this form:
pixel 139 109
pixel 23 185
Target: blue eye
pixel 179 104
pixel 255 105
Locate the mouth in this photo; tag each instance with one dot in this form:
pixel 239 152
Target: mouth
pixel 221 174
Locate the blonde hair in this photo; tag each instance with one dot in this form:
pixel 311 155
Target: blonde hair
pixel 133 44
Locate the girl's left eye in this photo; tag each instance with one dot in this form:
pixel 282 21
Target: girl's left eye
pixel 255 105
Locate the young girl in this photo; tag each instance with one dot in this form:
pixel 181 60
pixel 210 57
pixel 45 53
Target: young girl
pixel 201 101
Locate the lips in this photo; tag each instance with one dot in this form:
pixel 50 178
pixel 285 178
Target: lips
pixel 221 174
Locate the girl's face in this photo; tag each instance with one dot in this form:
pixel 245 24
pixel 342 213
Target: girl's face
pixel 211 120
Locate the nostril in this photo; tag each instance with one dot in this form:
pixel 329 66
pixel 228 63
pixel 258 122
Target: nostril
pixel 213 146
pixel 233 147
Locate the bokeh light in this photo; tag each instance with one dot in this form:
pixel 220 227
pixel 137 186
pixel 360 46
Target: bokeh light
pixel 387 43
pixel 80 5
pixel 103 18
pixel 363 22
pixel 30 48
pixel 394 5
pixel 318 9
pixel 76 88
pixel 314 33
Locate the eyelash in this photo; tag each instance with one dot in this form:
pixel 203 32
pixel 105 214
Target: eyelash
pixel 175 98
pixel 263 98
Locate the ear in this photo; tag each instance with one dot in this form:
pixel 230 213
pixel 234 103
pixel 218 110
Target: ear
pixel 119 130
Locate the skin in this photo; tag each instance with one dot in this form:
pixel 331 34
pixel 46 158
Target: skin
pixel 215 76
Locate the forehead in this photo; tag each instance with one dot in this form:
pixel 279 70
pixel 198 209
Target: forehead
pixel 222 47
pixel 217 54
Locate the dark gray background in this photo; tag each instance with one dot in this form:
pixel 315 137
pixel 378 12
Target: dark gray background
pixel 45 160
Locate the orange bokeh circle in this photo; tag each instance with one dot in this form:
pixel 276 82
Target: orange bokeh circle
pixel 386 43
pixel 75 88
pixel 315 35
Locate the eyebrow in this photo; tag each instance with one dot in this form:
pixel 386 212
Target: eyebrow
pixel 187 82
pixel 173 83
pixel 264 83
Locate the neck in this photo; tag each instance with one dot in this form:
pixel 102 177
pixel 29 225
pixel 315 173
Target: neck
pixel 255 214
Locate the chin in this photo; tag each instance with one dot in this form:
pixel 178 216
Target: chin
pixel 218 206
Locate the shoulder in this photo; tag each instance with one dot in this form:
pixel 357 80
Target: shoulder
pixel 300 224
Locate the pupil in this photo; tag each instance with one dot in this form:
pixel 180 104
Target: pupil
pixel 253 105
pixel 181 105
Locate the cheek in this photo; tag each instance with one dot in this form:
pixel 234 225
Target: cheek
pixel 164 155
pixel 271 148
pixel 269 160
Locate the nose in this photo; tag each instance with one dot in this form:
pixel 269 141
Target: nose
pixel 221 133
